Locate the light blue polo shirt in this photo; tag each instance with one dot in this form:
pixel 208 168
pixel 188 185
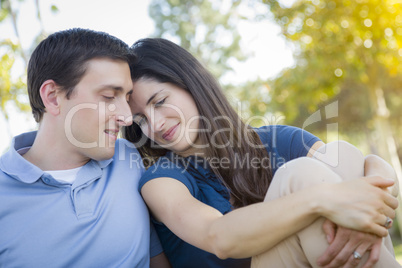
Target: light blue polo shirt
pixel 98 221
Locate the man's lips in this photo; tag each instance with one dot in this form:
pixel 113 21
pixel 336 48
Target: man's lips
pixel 112 132
pixel 168 135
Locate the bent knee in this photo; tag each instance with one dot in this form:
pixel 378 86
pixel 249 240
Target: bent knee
pixel 343 158
pixel 303 172
pixel 338 152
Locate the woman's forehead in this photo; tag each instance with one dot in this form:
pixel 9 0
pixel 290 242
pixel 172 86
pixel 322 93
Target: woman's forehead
pixel 143 92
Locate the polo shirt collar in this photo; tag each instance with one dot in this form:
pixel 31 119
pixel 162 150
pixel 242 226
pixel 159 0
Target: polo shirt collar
pixel 16 166
pixel 104 163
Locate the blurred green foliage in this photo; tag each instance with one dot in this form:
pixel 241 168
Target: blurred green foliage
pixel 11 88
pixel 348 51
pixel 197 25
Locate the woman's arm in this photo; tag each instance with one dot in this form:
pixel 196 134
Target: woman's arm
pixel 261 226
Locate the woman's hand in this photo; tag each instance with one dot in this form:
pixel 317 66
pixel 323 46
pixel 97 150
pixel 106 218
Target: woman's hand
pixel 343 242
pixel 360 204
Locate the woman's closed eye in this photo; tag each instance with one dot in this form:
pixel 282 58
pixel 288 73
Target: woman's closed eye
pixel 161 102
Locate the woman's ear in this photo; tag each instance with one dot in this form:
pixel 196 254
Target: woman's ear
pixel 49 93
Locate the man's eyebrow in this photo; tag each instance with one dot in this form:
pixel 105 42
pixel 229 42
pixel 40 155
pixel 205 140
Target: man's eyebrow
pixel 154 95
pixel 115 88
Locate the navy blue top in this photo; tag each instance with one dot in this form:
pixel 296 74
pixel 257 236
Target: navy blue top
pixel 283 144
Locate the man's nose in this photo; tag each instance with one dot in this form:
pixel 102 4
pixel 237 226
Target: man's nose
pixel 123 113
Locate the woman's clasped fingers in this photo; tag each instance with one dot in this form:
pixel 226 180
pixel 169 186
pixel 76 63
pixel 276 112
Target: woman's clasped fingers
pixel 383 220
pixel 390 200
pixel 381 183
pixel 374 256
pixel 364 210
pixel 348 248
pixel 368 244
pixel 388 222
pixel 356 256
pixel 385 207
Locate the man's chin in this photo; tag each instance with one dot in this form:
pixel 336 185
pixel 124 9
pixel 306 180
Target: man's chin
pixel 103 154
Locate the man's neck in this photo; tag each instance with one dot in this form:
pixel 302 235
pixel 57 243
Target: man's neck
pixel 48 152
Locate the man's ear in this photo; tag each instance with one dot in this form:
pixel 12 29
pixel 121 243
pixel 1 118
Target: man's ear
pixel 49 93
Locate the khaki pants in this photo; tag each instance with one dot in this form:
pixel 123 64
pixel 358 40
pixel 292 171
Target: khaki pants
pixel 337 161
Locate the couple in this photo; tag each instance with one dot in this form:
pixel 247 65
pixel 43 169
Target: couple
pixel 71 197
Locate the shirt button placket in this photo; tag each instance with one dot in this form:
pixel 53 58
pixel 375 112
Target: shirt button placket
pixel 46 180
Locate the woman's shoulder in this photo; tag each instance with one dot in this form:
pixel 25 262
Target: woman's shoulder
pixel 164 167
pixel 272 128
pixel 271 133
pixel 288 141
pixel 170 168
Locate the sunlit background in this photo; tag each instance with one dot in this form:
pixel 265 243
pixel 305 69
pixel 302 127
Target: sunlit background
pixel 128 20
pixel 332 67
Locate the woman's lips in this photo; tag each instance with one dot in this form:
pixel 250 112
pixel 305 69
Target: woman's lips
pixel 168 135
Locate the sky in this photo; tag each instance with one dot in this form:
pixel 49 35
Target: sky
pixel 129 21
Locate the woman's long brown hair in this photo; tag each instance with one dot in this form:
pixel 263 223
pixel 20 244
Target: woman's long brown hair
pixel 165 62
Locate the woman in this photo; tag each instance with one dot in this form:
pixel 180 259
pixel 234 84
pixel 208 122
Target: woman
pixel 209 172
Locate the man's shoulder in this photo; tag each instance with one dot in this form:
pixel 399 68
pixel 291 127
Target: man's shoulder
pixel 127 156
pixel 10 180
pixel 13 166
pixel 124 147
pixel 125 143
pixel 3 177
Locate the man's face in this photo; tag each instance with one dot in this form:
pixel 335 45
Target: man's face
pixel 97 109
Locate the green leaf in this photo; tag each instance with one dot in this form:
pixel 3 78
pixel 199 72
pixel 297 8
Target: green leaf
pixel 54 9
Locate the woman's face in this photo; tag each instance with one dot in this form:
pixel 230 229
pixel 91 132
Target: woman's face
pixel 167 114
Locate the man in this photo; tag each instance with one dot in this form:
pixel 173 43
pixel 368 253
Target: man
pixel 67 199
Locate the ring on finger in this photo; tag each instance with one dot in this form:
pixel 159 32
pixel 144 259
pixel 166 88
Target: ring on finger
pixel 388 222
pixel 356 255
